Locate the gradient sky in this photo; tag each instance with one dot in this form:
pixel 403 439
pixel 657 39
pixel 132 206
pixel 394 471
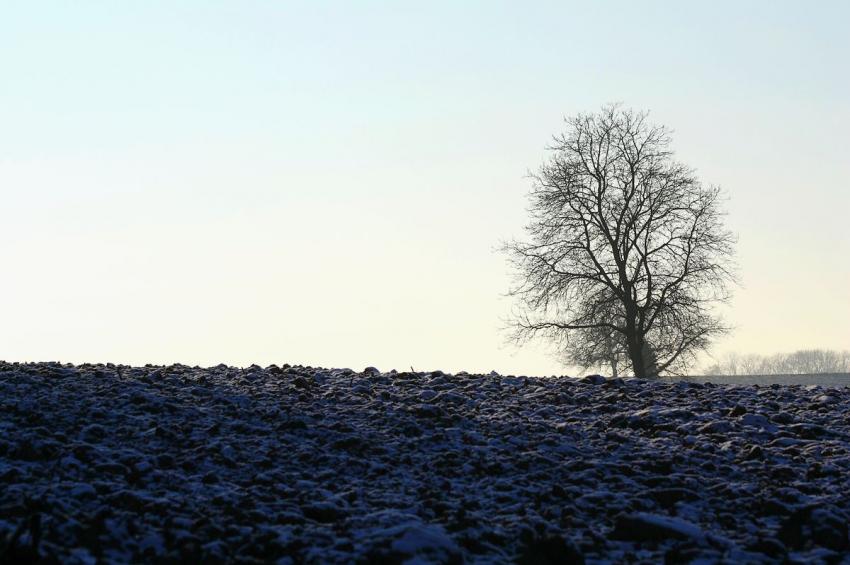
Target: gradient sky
pixel 326 183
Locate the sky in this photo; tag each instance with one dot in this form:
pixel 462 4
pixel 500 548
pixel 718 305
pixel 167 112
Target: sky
pixel 327 183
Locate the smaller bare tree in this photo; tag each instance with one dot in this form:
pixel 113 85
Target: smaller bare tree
pixel 599 348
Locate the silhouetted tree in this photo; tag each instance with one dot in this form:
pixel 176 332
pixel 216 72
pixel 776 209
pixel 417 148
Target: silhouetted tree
pixel 623 241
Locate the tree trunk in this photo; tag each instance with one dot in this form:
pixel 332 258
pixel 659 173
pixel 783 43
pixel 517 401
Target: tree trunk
pixel 636 356
pixel 635 344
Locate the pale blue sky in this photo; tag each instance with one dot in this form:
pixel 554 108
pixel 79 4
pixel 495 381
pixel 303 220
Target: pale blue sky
pixel 325 182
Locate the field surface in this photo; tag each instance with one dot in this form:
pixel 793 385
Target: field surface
pixel 835 380
pixel 116 464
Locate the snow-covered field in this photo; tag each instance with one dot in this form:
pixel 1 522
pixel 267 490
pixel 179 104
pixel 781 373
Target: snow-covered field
pixel 103 463
pixel 823 379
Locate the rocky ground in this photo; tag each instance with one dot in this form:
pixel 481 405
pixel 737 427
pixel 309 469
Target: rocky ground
pixel 116 464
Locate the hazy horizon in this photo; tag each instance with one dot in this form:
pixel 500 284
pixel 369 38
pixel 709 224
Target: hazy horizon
pixel 325 184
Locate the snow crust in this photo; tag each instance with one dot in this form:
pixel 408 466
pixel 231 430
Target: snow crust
pixel 292 464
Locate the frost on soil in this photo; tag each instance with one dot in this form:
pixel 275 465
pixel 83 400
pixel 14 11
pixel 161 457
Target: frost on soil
pixel 112 464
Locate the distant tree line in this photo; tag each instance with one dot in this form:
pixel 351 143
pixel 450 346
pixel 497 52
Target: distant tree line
pixel 802 362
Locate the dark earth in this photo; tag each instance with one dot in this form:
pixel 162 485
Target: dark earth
pixel 291 464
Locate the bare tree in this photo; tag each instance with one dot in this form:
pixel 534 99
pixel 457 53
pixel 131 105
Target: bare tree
pixel 623 241
pixel 597 348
